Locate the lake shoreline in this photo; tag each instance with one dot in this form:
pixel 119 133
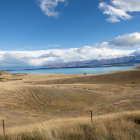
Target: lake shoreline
pixel 85 70
pixel 100 66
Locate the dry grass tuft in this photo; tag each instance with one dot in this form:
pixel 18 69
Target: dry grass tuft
pixel 122 126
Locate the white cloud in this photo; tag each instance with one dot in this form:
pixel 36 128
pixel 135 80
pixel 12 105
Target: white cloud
pixel 44 57
pixel 53 45
pixel 48 7
pixel 127 40
pixel 120 9
pixel 98 51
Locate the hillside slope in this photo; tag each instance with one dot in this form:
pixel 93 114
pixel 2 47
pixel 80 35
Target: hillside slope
pixel 119 77
pixel 32 98
pixel 121 126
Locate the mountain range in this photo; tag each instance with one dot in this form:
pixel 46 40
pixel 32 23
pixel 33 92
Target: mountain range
pixel 127 60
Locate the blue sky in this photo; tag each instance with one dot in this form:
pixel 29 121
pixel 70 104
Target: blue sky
pixel 29 26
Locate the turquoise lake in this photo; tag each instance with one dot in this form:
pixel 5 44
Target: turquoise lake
pixel 73 70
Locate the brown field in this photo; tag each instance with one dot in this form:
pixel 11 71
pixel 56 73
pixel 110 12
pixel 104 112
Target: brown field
pixel 27 101
pixel 120 126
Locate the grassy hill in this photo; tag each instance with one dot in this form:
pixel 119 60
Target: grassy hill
pixel 26 99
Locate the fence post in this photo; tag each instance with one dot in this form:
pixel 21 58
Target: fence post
pixel 91 115
pixel 3 126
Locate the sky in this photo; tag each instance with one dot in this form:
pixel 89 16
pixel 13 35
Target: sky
pixel 40 32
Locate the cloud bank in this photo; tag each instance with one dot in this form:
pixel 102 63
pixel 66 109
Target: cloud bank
pixel 44 57
pixel 127 40
pixel 119 9
pixel 98 51
pixel 48 7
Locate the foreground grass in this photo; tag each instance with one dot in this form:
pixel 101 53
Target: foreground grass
pixel 122 126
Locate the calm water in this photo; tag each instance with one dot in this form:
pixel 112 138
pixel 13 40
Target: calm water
pixel 73 70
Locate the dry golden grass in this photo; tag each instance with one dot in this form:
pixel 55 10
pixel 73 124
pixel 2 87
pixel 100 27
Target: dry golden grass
pixel 26 100
pixel 32 98
pixel 121 126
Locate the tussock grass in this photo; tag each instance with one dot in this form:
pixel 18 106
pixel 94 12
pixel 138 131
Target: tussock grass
pixel 121 126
